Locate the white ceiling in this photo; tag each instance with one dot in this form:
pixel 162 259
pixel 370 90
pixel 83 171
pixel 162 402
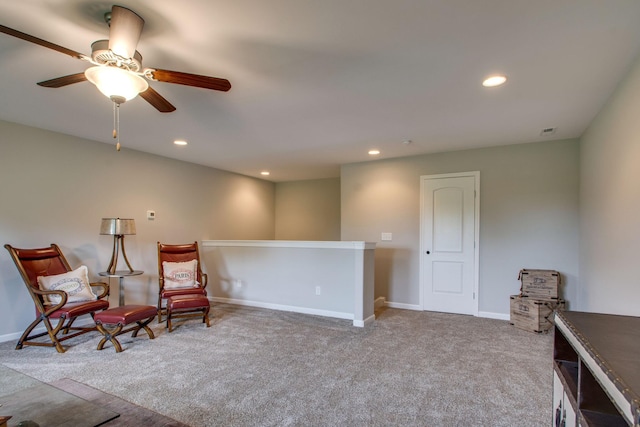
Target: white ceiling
pixel 318 83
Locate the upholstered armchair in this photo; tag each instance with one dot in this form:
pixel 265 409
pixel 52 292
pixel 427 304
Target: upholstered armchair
pixel 58 293
pixel 179 273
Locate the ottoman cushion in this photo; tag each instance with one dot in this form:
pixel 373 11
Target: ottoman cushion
pixel 187 301
pixel 125 314
pixel 185 306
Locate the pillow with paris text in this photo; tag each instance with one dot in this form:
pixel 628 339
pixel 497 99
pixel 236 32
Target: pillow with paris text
pixel 180 274
pixel 75 283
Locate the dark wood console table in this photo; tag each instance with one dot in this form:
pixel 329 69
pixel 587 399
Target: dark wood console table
pixel 78 404
pixel 25 398
pixel 596 359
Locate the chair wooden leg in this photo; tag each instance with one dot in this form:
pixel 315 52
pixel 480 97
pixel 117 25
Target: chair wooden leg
pixel 68 325
pixel 26 333
pixel 159 309
pixel 206 317
pixel 63 324
pixel 162 312
pixel 56 343
pixel 53 334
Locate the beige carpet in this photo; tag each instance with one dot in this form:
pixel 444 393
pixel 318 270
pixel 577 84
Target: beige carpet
pixel 257 367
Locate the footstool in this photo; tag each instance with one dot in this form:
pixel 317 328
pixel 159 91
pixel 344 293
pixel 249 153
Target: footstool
pixel 119 317
pixel 183 306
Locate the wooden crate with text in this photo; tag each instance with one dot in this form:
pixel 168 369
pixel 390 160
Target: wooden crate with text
pixel 540 284
pixel 532 314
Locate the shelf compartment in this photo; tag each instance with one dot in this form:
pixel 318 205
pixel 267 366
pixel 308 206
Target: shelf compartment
pixel 594 404
pixel 562 349
pixel 598 419
pixel 568 373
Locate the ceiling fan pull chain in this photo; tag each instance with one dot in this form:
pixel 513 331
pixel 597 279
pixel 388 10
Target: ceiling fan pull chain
pixel 116 124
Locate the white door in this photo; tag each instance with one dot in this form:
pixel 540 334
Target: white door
pixel 449 233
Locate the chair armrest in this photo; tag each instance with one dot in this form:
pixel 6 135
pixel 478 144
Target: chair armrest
pixel 104 286
pixel 205 280
pixel 48 308
pixel 41 292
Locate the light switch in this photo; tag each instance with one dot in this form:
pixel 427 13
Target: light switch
pixel 387 237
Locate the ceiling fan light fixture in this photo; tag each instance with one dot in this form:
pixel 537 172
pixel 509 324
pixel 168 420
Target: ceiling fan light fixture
pixel 115 83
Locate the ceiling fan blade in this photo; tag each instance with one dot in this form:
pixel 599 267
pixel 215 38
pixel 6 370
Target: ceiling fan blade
pixel 157 100
pixel 126 27
pixel 44 43
pixel 63 81
pixel 187 79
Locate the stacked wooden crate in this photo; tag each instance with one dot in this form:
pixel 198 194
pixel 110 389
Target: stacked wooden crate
pixel 533 309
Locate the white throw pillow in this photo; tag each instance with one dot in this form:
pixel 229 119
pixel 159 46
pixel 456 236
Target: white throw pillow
pixel 75 283
pixel 180 274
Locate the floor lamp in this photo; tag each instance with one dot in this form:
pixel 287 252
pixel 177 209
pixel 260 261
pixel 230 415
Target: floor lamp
pixel 118 228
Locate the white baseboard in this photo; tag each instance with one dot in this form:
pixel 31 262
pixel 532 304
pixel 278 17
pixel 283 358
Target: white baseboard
pixel 16 335
pixel 490 315
pixel 364 323
pixel 294 309
pixel 381 302
pixel 403 306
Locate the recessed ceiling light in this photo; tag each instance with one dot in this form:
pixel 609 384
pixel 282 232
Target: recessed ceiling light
pixel 374 152
pixel 180 142
pixel 265 173
pixel 493 81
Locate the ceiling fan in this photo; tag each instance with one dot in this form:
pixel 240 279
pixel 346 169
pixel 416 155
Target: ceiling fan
pixel 117 65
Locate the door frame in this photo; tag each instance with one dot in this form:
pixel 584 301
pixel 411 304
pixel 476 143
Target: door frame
pixel 476 246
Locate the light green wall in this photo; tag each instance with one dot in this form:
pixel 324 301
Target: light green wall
pixel 528 216
pixel 308 210
pixel 56 188
pixel 610 204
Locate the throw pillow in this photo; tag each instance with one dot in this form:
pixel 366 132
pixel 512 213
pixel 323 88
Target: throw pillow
pixel 75 283
pixel 180 274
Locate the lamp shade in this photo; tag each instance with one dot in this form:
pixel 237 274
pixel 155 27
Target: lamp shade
pixel 117 226
pixel 115 82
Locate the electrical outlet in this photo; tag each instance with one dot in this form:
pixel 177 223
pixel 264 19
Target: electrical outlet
pixel 387 237
pixel 318 290
pixel 237 283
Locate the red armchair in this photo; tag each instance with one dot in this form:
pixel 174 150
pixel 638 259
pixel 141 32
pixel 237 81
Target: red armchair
pixel 31 264
pixel 169 285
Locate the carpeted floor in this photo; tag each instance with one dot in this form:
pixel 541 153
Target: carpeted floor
pixel 257 367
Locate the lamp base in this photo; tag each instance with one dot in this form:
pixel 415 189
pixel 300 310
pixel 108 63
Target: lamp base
pixel 118 243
